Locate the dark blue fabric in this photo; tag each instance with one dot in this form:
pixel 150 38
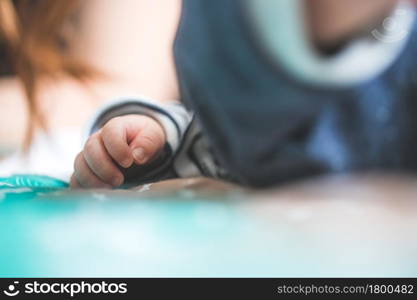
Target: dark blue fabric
pixel 266 127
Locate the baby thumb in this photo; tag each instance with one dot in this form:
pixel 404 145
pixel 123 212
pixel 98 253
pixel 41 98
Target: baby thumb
pixel 147 144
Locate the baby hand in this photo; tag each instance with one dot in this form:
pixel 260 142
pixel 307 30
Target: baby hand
pixel 122 142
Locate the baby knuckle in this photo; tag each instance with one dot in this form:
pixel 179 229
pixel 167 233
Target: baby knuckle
pixel 77 160
pixel 149 142
pixel 90 145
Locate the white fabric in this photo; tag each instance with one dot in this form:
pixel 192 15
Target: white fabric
pixel 51 154
pixel 282 28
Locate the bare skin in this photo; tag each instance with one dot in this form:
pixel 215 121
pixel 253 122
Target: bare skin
pixel 332 22
pixel 123 141
pixel 128 41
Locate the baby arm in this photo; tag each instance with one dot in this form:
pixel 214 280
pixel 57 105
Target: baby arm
pixel 127 134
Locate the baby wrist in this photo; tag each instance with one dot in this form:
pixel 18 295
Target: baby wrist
pixel 173 117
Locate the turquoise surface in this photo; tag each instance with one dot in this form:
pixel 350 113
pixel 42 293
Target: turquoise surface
pixel 31 181
pixel 47 230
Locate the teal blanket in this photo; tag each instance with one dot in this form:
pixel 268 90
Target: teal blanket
pixel 48 230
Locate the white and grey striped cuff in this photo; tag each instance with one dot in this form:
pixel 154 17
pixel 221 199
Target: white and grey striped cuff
pixel 173 117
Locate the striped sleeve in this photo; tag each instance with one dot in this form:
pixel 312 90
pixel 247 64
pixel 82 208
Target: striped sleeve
pixel 187 153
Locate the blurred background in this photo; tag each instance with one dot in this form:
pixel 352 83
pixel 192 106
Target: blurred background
pixel 60 60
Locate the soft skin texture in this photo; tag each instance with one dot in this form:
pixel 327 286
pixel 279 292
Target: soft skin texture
pixel 332 22
pixel 128 42
pixel 123 141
